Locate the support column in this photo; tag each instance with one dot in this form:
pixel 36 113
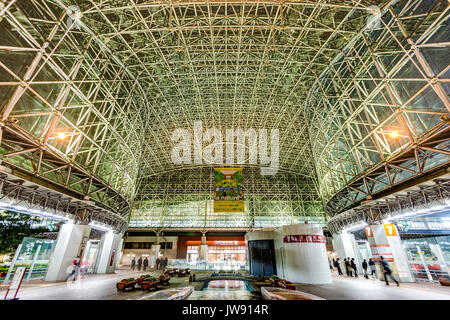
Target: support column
pixel 203 252
pixel 110 245
pixel 346 246
pixel 303 253
pixel 70 243
pixel 154 252
pixel 384 240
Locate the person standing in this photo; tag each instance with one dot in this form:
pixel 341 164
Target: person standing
pixel 364 266
pixel 158 262
pixel 338 267
pixel 76 268
pixel 373 268
pixel 353 266
pixel 347 267
pixel 145 263
pixel 166 260
pixel 387 271
pixel 139 263
pixel 133 263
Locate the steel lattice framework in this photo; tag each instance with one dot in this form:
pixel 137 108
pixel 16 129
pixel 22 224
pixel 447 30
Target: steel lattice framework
pixel 184 199
pixel 117 77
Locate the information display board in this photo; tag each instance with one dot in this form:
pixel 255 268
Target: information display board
pixel 16 281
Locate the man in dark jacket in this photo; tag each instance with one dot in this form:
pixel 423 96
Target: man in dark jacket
pixel 387 271
pixel 364 266
pixel 338 267
pixel 166 260
pixel 373 268
pixel 353 266
pixel 348 267
pixel 158 262
pixel 139 263
pixel 145 263
pixel 133 263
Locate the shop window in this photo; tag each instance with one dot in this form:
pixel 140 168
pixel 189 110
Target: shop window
pixel 166 245
pixel 128 245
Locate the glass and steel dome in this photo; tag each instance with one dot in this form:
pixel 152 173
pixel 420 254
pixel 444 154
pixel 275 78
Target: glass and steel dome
pixel 91 92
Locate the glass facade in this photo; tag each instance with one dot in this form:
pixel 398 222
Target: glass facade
pixel 34 254
pixel 429 258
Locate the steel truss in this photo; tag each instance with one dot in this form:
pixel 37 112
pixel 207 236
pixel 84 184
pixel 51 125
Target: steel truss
pixel 184 200
pixel 25 196
pixel 117 77
pixel 425 196
pixel 393 77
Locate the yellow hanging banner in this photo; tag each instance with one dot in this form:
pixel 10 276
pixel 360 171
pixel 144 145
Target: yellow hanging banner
pixel 228 191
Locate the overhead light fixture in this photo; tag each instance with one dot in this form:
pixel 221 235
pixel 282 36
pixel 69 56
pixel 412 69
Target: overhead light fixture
pixel 100 227
pixel 394 134
pixel 61 135
pixel 355 227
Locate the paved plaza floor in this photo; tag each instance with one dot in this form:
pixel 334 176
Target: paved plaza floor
pixel 102 287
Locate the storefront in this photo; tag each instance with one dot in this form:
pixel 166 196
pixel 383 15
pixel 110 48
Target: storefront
pixel 222 252
pixel 90 256
pixel 428 258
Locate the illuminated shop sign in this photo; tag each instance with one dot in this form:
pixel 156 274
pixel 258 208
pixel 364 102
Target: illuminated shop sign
pixel 226 243
pixel 315 238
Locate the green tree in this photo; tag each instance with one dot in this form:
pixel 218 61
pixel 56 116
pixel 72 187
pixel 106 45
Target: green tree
pixel 14 227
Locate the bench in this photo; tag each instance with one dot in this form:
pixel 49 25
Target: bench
pixel 126 284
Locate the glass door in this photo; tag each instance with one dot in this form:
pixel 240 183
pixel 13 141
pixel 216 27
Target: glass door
pixel 89 258
pixel 426 260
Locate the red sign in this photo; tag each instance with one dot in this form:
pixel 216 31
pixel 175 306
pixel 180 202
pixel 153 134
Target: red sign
pixel 16 281
pixel 316 238
pixel 112 258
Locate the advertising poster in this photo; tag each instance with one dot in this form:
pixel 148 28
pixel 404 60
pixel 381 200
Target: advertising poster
pixel 228 191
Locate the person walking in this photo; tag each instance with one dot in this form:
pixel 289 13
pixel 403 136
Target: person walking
pixel 76 269
pixel 364 266
pixel 145 263
pixel 133 263
pixel 387 271
pixel 338 267
pixel 158 262
pixel 348 266
pixel 139 263
pixel 353 266
pixel 373 268
pixel 166 260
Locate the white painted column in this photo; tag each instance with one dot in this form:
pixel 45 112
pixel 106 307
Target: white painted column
pixel 346 247
pixel 109 252
pixel 203 252
pixel 384 240
pixel 71 240
pixel 304 253
pixel 154 253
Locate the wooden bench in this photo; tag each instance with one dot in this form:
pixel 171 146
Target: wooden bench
pixel 126 284
pixel 182 273
pixel 286 285
pixel 164 280
pixel 148 284
pixel 281 283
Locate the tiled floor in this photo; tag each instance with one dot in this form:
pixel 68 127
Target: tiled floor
pixel 102 287
pixel 346 288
